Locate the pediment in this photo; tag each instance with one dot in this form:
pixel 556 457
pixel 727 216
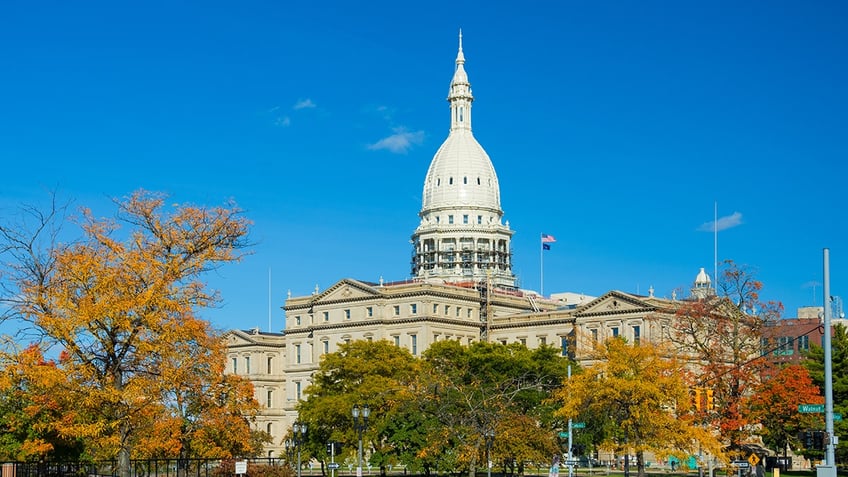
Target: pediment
pixel 235 338
pixel 614 302
pixel 346 290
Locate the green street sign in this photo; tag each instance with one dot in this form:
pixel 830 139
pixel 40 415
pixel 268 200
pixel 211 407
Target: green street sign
pixel 837 416
pixel 563 434
pixel 811 408
pixel 579 425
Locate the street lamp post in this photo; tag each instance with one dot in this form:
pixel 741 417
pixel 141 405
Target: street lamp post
pixel 489 437
pixel 299 437
pixel 360 423
pixel 289 450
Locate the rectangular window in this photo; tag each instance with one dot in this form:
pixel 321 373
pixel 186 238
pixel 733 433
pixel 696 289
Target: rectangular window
pixel 450 219
pixel 414 343
pixel 235 365
pixel 435 308
pixel 636 334
pixel 479 220
pixel 595 334
pixel 297 356
pixel 413 309
pixel 297 389
pixel 803 343
pixel 247 364
pixel 523 341
pixel 268 398
pixel 447 309
pixel 325 345
pixel 397 340
pixel 347 314
pixel 369 311
pixel 543 340
pixel 297 320
pixel 468 313
pixel 326 316
pixel 465 219
pixel 268 363
pixel 563 345
pixel 397 310
pixel 614 331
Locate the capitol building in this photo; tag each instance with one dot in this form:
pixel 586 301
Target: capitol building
pixel 462 287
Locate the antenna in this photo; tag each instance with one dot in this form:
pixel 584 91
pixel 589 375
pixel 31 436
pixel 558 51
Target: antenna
pixel 715 245
pixel 269 299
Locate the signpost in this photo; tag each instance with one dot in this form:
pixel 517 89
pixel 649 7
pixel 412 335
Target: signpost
pixel 811 408
pixel 241 467
pixel 333 465
pixel 579 425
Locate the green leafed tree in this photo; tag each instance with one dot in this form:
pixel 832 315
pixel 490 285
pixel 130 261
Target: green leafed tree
pixel 814 362
pixel 490 388
pixel 376 374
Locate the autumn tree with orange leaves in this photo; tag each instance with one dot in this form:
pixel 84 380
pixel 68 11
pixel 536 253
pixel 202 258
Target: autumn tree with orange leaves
pixel 774 404
pixel 722 335
pixel 140 372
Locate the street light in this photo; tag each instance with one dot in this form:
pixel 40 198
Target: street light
pixel 299 438
pixel 359 425
pixel 489 437
pixel 289 450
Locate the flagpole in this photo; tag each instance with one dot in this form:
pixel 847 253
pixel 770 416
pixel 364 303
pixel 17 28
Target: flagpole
pixel 541 265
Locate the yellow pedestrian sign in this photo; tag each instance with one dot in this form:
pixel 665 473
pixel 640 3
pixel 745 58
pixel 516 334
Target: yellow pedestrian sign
pixel 753 460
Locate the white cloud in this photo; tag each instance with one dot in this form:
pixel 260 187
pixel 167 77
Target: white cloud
pixel 282 121
pixel 304 104
pixel 400 142
pixel 723 223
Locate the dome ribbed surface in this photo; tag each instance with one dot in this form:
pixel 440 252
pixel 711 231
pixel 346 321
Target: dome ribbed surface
pixel 461 175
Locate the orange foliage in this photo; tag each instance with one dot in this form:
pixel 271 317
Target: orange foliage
pixel 120 304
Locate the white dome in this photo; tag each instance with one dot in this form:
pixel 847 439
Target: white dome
pixel 461 175
pixel 702 279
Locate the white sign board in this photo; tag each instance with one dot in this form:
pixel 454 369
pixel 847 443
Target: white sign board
pixel 241 467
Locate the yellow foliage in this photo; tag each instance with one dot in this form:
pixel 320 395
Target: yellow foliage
pixel 120 306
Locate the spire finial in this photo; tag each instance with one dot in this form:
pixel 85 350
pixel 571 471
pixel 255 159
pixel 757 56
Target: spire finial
pixel 460 58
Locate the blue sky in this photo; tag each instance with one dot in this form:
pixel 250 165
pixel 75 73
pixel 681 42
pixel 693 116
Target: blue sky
pixel 615 126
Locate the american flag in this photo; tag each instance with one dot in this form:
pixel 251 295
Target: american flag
pixel 548 238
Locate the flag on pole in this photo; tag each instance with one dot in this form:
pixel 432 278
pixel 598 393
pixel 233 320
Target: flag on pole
pixel 547 240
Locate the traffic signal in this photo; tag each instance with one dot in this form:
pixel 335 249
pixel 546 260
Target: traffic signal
pixel 698 399
pixel 710 401
pixel 334 448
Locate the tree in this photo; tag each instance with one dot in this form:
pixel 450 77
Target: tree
pixel 30 413
pixel 774 404
pixel 376 374
pixel 642 396
pixel 723 334
pixel 814 362
pixel 489 388
pixel 118 306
